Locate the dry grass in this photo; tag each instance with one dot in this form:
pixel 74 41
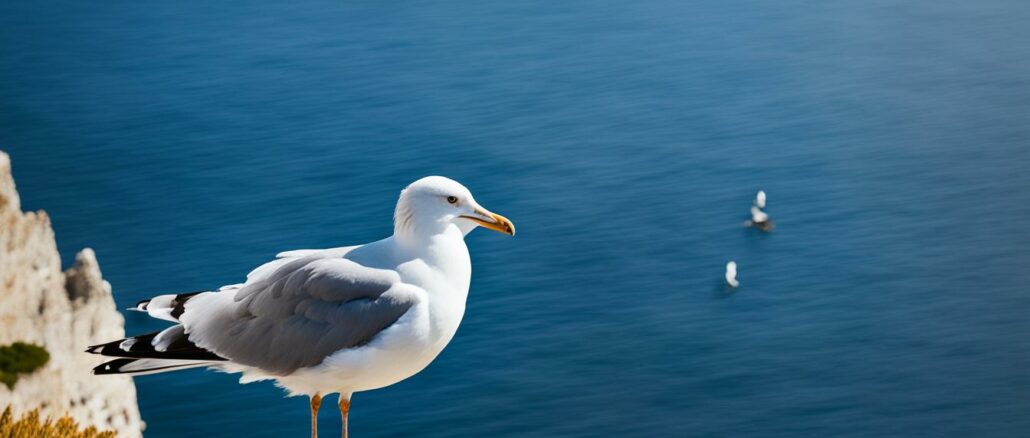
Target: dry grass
pixel 31 426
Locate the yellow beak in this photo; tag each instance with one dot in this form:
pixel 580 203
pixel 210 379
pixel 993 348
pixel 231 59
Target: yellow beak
pixel 492 221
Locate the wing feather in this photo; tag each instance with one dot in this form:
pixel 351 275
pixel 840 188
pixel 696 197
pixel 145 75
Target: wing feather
pixel 298 312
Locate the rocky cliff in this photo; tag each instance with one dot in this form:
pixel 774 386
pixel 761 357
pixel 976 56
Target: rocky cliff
pixel 63 311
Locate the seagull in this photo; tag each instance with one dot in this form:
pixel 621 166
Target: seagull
pixel 758 217
pixel 731 274
pixel 760 199
pixel 324 321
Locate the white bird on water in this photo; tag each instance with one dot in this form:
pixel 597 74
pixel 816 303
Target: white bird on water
pixel 338 320
pixel 758 217
pixel 731 274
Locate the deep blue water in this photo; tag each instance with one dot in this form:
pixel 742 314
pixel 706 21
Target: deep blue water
pixel 189 141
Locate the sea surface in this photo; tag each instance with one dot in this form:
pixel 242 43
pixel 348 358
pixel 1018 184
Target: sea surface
pixel 189 141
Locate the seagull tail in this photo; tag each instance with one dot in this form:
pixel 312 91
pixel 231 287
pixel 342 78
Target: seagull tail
pixel 167 307
pixel 139 367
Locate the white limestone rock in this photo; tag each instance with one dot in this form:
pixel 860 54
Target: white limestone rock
pixel 65 313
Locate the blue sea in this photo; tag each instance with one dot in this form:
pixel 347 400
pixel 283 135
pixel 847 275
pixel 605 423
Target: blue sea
pixel 189 141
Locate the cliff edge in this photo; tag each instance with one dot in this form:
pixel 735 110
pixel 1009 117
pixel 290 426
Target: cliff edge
pixel 64 312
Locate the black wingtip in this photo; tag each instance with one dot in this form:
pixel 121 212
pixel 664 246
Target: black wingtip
pixel 112 367
pixel 108 349
pixel 142 346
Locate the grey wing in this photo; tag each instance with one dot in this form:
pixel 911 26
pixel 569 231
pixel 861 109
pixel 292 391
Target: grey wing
pixel 297 315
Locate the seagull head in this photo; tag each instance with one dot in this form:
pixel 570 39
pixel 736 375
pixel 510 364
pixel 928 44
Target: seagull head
pixel 432 204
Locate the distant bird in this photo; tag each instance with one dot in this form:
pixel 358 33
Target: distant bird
pixel 338 320
pixel 731 274
pixel 759 219
pixel 758 216
pixel 760 199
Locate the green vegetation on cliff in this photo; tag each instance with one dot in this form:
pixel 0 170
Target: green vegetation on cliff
pixel 20 358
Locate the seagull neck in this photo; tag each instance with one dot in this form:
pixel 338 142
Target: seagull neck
pixel 436 241
pixel 414 234
pixel 436 244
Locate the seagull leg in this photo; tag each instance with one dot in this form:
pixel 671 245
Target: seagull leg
pixel 316 401
pixel 344 410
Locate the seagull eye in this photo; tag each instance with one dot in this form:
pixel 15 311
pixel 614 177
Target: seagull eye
pixel 452 200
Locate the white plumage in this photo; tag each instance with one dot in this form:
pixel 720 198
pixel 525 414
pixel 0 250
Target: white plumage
pixel 731 274
pixel 758 216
